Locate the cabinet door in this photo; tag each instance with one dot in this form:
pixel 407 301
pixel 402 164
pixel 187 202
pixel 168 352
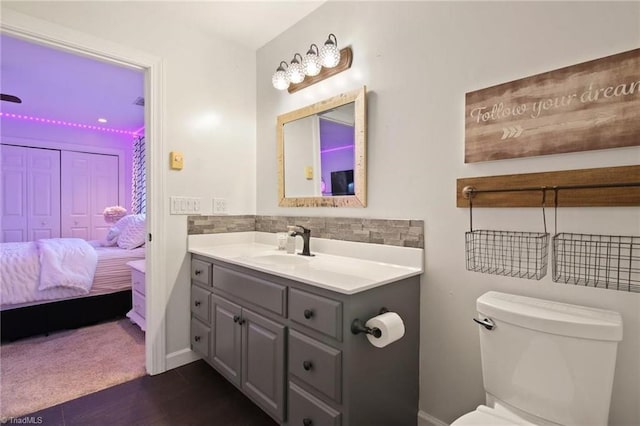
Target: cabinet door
pixel 263 362
pixel 225 342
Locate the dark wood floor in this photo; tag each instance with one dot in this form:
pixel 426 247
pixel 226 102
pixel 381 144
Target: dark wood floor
pixel 194 394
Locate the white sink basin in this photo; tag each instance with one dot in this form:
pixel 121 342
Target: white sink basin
pixel 280 259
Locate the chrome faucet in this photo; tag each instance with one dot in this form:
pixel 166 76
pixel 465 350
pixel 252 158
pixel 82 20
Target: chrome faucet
pixel 306 237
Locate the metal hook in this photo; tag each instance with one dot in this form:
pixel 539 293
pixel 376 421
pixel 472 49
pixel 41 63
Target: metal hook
pixel 555 210
pixel 544 202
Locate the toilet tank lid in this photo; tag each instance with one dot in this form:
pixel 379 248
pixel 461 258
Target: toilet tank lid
pixel 551 317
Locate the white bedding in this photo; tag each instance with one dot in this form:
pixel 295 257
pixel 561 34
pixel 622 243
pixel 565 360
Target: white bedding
pixel 45 270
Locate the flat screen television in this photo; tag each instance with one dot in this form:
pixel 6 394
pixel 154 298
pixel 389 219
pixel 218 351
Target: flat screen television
pixel 342 183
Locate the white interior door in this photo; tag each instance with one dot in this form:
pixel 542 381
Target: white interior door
pixel 43 193
pixel 14 194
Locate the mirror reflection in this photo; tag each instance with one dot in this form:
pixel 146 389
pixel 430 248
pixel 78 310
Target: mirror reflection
pixel 321 153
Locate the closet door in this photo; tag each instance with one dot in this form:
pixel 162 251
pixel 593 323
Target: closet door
pixel 14 193
pixel 90 183
pixel 76 178
pixel 30 193
pixel 104 192
pixel 43 193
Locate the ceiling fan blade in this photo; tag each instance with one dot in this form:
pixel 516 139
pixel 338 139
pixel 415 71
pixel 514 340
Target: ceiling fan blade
pixel 10 98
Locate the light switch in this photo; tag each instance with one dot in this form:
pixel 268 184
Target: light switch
pixel 308 172
pixel 176 160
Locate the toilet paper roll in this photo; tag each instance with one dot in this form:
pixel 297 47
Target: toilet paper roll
pixel 391 326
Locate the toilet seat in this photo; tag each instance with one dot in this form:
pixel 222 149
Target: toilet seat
pixel 487 416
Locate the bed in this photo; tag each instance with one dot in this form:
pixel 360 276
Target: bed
pixel 28 309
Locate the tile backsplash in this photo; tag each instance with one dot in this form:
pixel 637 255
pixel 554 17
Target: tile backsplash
pixel 396 232
pixel 220 224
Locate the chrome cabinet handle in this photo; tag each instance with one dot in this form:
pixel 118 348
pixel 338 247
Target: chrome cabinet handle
pixel 486 323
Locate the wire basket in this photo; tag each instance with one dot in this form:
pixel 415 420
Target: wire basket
pixel 602 261
pixel 509 253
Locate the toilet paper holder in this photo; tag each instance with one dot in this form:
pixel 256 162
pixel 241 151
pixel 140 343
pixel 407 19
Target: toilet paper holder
pixel 357 326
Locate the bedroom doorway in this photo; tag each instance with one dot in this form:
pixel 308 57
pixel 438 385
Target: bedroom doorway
pixel 47 34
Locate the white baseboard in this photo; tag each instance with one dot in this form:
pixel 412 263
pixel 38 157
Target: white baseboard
pixel 182 357
pixel 426 419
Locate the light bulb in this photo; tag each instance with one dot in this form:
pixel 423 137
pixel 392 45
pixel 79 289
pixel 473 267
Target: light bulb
pixel 295 72
pixel 330 54
pixel 280 80
pixel 311 62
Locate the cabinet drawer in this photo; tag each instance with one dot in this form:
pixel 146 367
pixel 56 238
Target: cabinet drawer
pixel 137 281
pixel 260 292
pixel 201 272
pixel 139 304
pixel 316 312
pixel 200 337
pixel 305 409
pixel 200 303
pixel 316 364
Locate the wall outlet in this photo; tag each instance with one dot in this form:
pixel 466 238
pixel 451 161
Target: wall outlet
pixel 219 206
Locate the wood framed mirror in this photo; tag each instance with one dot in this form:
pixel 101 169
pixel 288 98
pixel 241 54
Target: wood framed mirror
pixel 321 153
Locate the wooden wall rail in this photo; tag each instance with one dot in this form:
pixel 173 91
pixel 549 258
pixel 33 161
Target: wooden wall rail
pixel 592 197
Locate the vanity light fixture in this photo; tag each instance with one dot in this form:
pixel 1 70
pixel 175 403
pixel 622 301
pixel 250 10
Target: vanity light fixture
pixel 280 80
pixel 295 72
pixel 316 65
pixel 311 61
pixel 330 54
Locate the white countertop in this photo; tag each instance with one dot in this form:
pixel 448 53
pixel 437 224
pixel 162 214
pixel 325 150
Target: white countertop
pixel 341 266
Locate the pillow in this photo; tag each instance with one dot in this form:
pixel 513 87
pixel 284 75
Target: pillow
pixel 134 233
pixel 114 232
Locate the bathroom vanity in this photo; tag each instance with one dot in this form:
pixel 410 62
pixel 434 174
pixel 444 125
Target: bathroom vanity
pixel 278 327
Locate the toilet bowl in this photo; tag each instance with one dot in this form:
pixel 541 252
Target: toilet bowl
pixel 544 362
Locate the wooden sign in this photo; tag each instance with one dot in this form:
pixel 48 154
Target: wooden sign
pixel 592 105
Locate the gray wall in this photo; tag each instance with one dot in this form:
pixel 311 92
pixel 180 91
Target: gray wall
pixel 417 60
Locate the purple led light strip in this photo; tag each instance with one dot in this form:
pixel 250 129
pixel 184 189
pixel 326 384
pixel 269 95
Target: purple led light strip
pixel 339 148
pixel 67 123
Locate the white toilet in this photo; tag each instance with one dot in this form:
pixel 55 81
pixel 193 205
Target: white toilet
pixel 544 362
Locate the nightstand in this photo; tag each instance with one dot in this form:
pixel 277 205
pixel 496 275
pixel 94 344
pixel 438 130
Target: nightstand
pixel 137 313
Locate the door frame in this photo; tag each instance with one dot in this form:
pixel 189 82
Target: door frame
pixel 46 33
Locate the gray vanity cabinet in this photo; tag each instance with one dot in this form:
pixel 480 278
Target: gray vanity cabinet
pixel 289 347
pixel 226 338
pixel 248 350
pixel 245 347
pixel 263 362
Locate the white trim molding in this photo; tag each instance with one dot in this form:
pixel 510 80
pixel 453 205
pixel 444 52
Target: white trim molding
pixel 182 357
pixel 426 419
pixel 43 32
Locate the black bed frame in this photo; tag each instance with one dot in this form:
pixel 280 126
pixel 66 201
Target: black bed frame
pixel 46 318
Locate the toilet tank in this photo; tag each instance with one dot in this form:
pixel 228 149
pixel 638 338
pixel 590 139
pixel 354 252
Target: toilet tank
pixel 548 359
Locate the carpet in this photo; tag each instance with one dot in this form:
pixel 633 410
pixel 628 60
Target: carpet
pixel 44 371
